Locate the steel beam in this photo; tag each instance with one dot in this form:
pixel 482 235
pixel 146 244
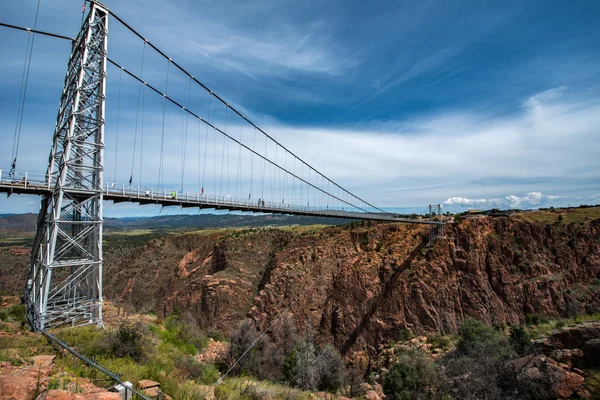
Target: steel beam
pixel 65 280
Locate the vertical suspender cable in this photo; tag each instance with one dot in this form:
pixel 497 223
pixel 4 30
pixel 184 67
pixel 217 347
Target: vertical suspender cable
pixel 24 84
pixel 252 165
pixel 274 169
pixel 142 133
pixel 162 135
pixel 294 201
pixel 262 190
pixel 214 174
pixel 239 165
pixel 228 167
pixel 118 119
pixel 223 154
pixel 205 146
pixel 184 144
pixel 284 178
pixel 301 183
pixel 13 156
pixel 137 116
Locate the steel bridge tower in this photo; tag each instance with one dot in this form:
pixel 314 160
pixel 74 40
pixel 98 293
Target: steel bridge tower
pixel 65 280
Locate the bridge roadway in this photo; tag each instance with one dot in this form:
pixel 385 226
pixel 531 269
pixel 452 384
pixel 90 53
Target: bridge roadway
pixel 23 183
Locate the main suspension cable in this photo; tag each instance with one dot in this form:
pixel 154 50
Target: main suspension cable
pixel 223 133
pixel 240 114
pixel 208 124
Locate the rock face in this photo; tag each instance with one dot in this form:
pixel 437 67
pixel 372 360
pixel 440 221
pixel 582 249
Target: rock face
pixel 17 387
pixel 360 286
pixel 549 378
pixel 556 375
pixel 64 395
pixel 591 352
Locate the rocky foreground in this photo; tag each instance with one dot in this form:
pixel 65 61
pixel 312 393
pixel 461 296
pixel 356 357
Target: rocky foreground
pixel 35 379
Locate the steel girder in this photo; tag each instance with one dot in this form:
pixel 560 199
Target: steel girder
pixel 65 280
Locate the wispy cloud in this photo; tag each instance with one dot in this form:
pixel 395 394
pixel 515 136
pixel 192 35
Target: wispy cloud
pixel 256 39
pixel 532 199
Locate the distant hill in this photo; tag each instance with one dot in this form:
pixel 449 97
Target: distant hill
pixel 17 224
pixel 25 224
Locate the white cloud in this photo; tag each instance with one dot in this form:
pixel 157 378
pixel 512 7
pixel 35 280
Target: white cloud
pixel 530 200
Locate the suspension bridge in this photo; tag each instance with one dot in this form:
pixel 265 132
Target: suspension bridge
pixel 235 165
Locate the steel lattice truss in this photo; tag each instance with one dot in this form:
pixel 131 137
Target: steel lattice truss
pixel 65 281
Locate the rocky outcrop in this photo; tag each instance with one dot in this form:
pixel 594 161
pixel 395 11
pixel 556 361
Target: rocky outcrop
pixel 591 352
pixel 64 395
pixel 31 381
pixel 547 378
pixel 18 387
pixel 360 286
pixel 554 371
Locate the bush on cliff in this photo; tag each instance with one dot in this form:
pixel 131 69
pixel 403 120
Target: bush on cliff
pixel 477 368
pixel 305 365
pixel 520 339
pixel 413 376
pixel 130 339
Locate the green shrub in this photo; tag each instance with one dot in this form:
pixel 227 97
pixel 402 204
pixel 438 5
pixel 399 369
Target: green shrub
pixel 289 366
pixel 592 383
pixel 473 333
pixel 183 334
pixel 440 342
pixel 130 339
pixel 204 373
pixel 15 313
pixel 331 369
pixel 477 368
pixel 533 319
pixel 413 376
pixel 256 355
pixel 520 339
pixel 404 334
pixel 90 341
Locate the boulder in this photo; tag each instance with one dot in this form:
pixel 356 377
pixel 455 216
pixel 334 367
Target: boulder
pixel 17 387
pixel 43 361
pixel 549 379
pixel 147 384
pixel 591 352
pixel 576 336
pixel 372 395
pixel 102 396
pixel 64 395
pixel 154 393
pixel 567 356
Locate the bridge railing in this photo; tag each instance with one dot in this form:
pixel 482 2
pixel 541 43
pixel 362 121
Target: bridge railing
pixel 40 182
pixel 22 179
pixel 164 195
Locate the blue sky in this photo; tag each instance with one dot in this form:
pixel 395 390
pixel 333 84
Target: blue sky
pixel 470 104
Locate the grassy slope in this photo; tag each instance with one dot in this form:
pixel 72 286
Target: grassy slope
pixel 569 215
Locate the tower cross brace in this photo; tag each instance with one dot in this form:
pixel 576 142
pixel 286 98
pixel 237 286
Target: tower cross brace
pixel 65 280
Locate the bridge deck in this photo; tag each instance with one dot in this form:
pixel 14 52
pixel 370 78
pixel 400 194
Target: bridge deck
pixel 27 185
